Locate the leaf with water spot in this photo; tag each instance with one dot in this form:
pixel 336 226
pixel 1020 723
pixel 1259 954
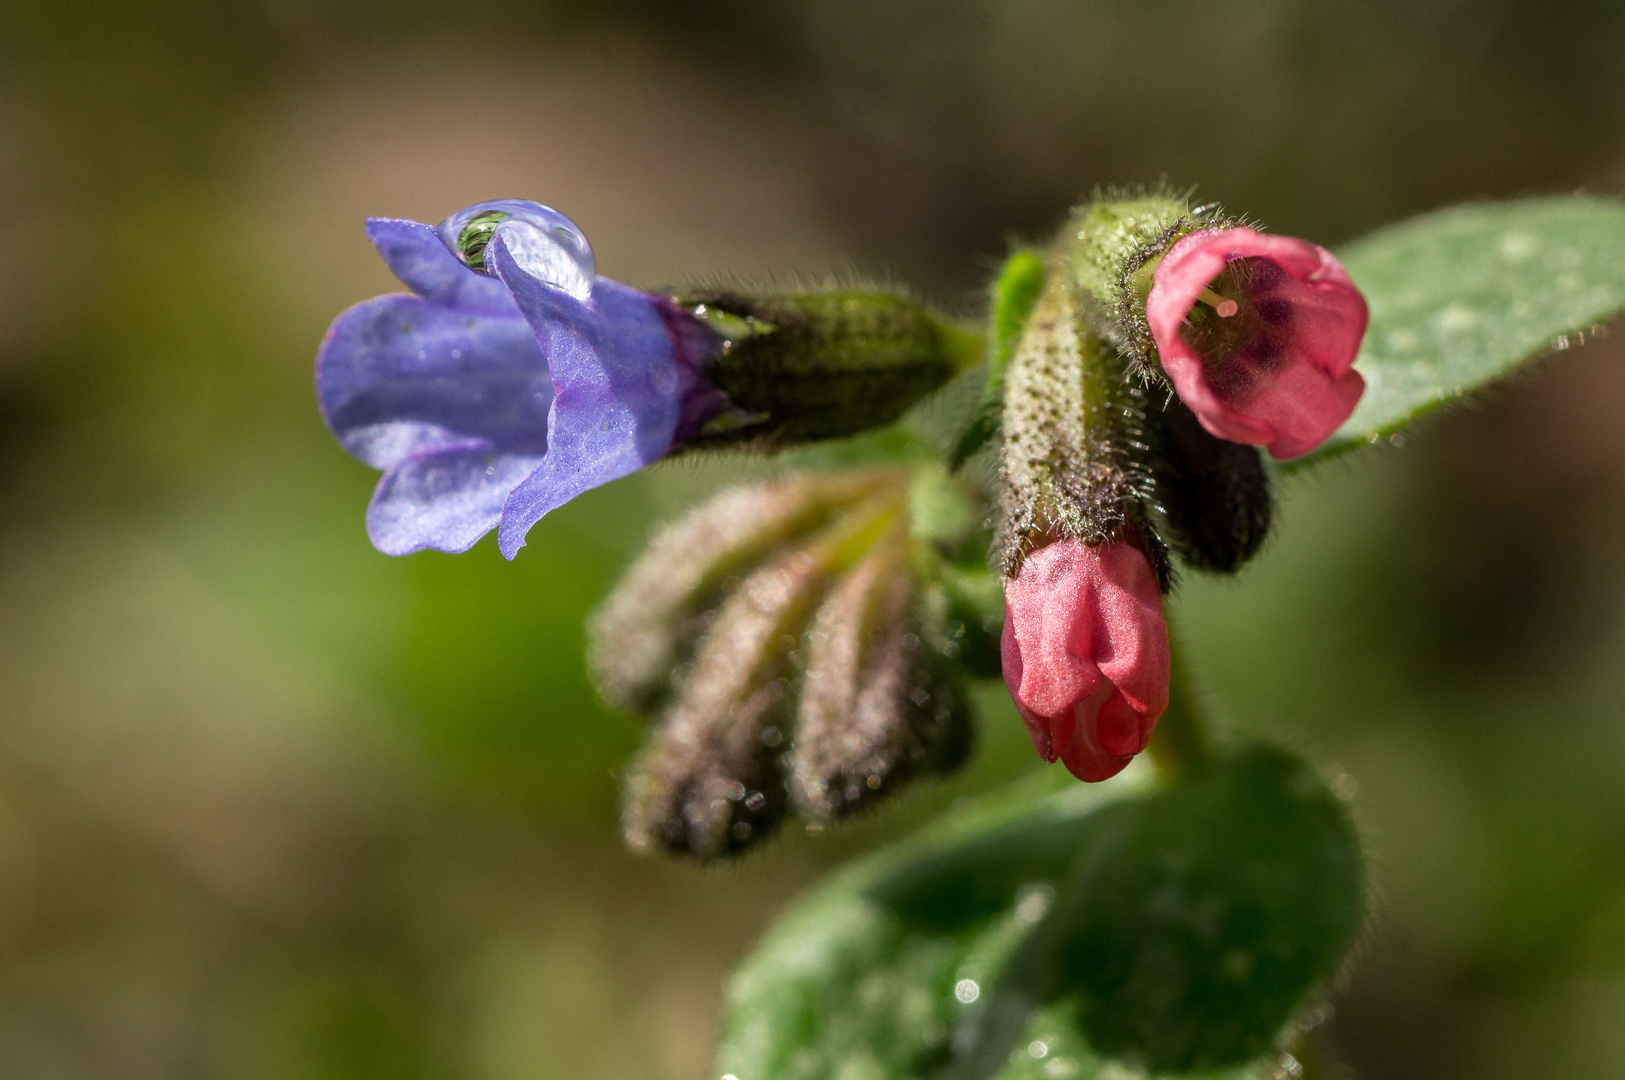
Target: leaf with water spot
pixel 1466 296
pixel 1088 933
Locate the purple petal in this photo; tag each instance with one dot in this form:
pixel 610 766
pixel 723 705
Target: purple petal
pixel 399 376
pixel 445 500
pixel 416 255
pixel 620 386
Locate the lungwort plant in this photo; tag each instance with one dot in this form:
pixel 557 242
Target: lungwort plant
pixel 803 645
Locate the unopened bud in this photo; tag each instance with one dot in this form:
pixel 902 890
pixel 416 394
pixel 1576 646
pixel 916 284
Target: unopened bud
pixel 876 711
pixel 709 782
pixel 1215 493
pixel 640 633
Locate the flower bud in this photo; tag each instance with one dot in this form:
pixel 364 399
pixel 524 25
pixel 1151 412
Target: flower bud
pixel 802 366
pixel 708 783
pixel 640 633
pixel 1086 654
pixel 797 638
pixel 877 708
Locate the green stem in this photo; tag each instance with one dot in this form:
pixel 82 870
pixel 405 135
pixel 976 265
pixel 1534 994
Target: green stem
pixel 1182 743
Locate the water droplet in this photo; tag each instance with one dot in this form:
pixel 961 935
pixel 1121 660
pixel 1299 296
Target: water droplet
pixel 873 781
pixel 1344 786
pixel 772 736
pixel 1036 1049
pixel 1561 343
pixel 543 242
pixel 456 354
pixel 755 801
pixel 967 991
pixel 741 830
pixel 736 791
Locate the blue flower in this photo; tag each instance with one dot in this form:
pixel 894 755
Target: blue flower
pixel 510 380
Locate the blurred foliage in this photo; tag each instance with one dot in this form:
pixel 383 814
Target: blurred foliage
pixel 274 805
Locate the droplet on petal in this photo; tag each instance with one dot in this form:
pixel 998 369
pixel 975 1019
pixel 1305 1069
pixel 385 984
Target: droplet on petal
pixel 546 244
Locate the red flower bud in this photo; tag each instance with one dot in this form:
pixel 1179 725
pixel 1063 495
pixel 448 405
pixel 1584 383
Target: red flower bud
pixel 1258 335
pixel 1086 652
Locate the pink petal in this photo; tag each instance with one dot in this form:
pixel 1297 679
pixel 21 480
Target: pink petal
pixel 1085 652
pixel 1307 389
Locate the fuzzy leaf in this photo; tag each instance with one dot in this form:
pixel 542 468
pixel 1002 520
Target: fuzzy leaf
pixel 1061 933
pixel 1463 297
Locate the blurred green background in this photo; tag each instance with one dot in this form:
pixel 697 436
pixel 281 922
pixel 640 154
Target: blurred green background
pixel 274 805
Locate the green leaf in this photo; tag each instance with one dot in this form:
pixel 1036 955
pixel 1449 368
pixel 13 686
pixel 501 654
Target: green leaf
pixel 1465 296
pixel 1208 911
pixel 1015 292
pixel 1062 933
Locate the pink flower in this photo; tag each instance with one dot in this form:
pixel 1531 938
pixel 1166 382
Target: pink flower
pixel 1086 652
pixel 1258 334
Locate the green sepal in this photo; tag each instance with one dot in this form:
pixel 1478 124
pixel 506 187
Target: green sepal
pixel 820 365
pixel 1467 296
pixel 1111 245
pixel 1074 461
pixel 1173 930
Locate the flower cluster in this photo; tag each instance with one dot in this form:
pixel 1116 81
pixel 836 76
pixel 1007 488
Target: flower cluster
pixel 790 642
pixel 1256 337
pixel 797 643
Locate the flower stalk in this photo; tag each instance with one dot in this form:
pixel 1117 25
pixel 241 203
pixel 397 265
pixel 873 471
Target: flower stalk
pixel 1183 742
